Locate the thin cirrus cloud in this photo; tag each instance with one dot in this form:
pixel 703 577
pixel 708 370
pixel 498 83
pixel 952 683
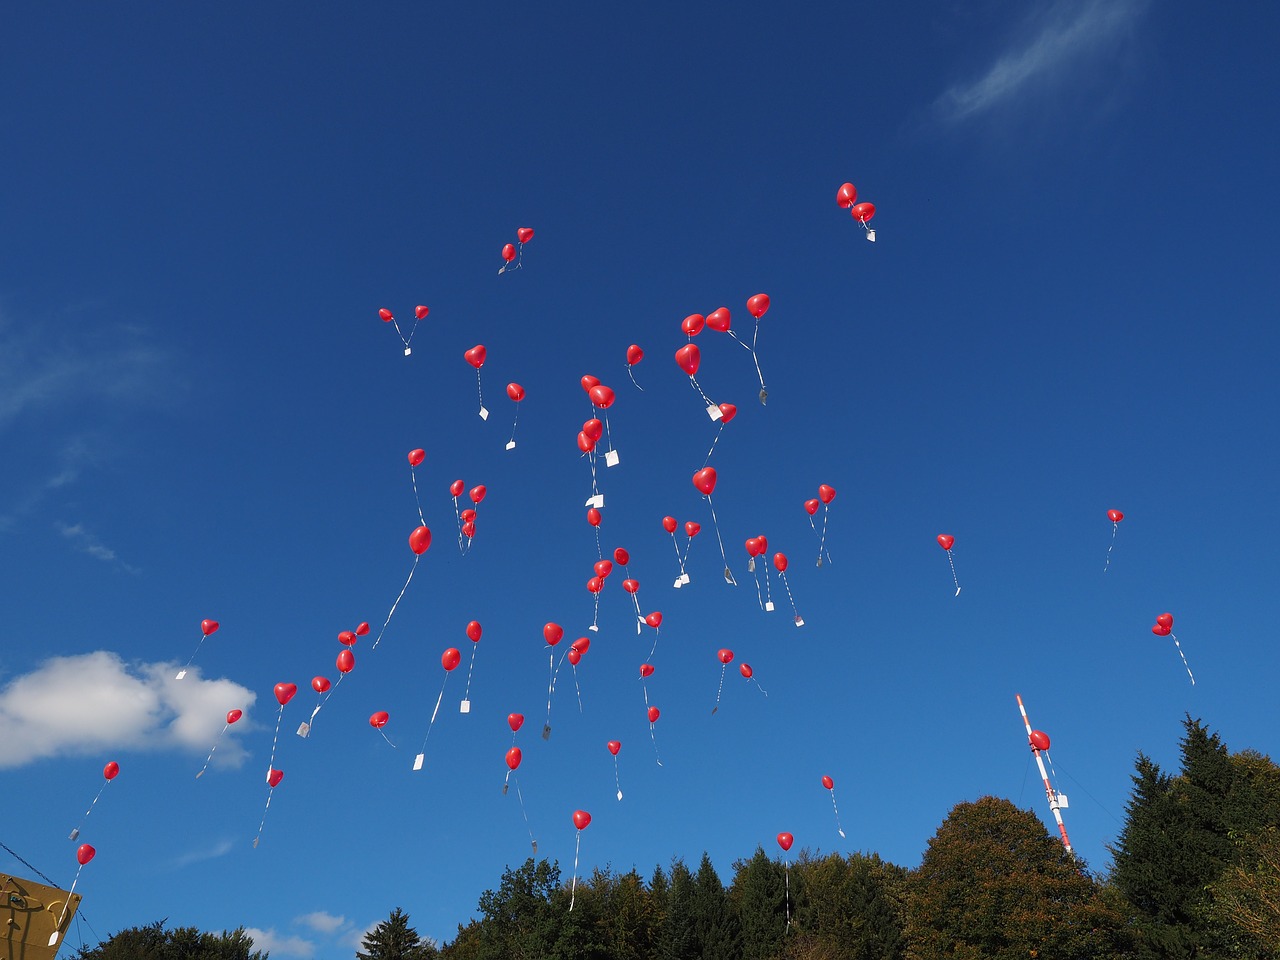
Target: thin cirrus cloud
pixel 279 944
pixel 1071 33
pixel 87 542
pixel 84 704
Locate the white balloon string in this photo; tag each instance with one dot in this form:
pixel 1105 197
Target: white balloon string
pixel 1115 528
pixel 270 793
pixel 837 812
pixel 654 737
pixel 952 561
pixel 657 632
pixel 705 399
pixel 768 588
pixel 279 716
pixel 391 612
pixel 416 499
pixel 740 342
pixel 713 443
pixel 457 515
pixel 755 357
pixel 599 549
pixel 576 687
pixel 608 436
pixel 788 891
pixel 479 389
pixel 755 576
pixel 94 802
pixel 617 782
pixel 514 423
pixel 62 916
pixel 752 679
pixel 524 814
pixel 720 689
pixel 591 458
pixel 199 644
pixel 822 541
pixel 633 378
pixel 384 736
pixel 573 889
pixel 644 687
pixel 676 547
pixel 207 759
pixel 396 323
pixel 466 695
pixel 685 559
pixel 432 721
pixel 329 693
pixel 1184 659
pixel 728 574
pixel 787 583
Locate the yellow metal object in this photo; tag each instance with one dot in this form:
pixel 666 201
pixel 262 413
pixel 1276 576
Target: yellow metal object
pixel 30 915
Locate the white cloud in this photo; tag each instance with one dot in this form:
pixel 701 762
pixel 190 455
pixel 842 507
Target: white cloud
pixel 321 922
pixel 279 945
pixel 92 702
pixel 1073 31
pixel 219 849
pixel 87 542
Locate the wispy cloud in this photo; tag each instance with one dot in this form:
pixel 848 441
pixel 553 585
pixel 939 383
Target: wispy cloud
pixel 280 945
pixel 321 922
pixel 1058 41
pixel 82 705
pixel 87 542
pixel 219 849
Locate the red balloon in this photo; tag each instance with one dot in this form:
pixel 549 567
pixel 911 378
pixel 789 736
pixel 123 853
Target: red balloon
pixel 508 252
pixel 654 619
pixel 745 670
pixel 1160 630
pixel 582 644
pixel 379 719
pixel 811 507
pixel 456 488
pixel 515 392
pixel 417 456
pixel 346 661
pixel 727 412
pixel 613 746
pixel 362 630
pixel 552 633
pixel 477 493
pixel 593 428
pixel 630 585
pixel 524 234
pixel 688 358
pixel 208 626
pixel 574 656
pixel 515 721
pixel 705 480
pixel 421 312
pixel 1039 740
pixel 320 684
pixel 595 585
pixel 785 840
pixel 646 669
pixel 420 540
pixel 467 514
pixel 473 631
pixel 450 658
pixel 862 212
pixel 603 568
pixel 946 541
pixel 476 355
pixel 593 516
pixel 654 713
pixel 588 381
pixel 585 443
pixel 718 320
pixel 780 561
pixel 826 493
pixel 285 692
pixel 828 783
pixel 669 524
pixel 347 638
pixel 234 715
pixel 1165 620
pixel 692 324
pixel 274 777
pixel 621 556
pixel 764 543
pixel 386 315
pixel 692 529
pixel 514 756
pixel 847 195
pixel 581 819
pixel 725 655
pixel 469 528
pixel 1115 516
pixel 758 305
pixel 601 396
pixel 634 355
pixel 85 853
pixel 751 544
pixel 111 770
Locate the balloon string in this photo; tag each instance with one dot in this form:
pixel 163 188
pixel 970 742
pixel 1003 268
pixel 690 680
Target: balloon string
pixel 396 323
pixel 952 561
pixel 728 574
pixel 391 612
pixel 591 458
pixel 685 558
pixel 676 547
pixel 329 693
pixel 755 576
pixel 270 793
pixel 465 542
pixel 206 759
pixel 595 616
pixel 788 891
pixel 523 813
pixel 633 378
pixel 573 889
pixel 657 632
pixel 756 358
pixel 199 644
pixel 514 423
pixel 740 343
pixel 457 515
pixel 720 689
pixel 1115 528
pixel 576 687
pixel 599 549
pixel 608 436
pixel 705 399
pixel 1184 659
pixel 479 388
pixel 768 588
pixel 822 541
pixel 384 736
pixel 432 721
pixel 466 694
pixel 787 583
pixel 837 812
pixel 654 737
pixel 758 687
pixel 76 832
pixel 617 782
pixel 63 914
pixel 416 499
pixel 271 764
pixel 714 442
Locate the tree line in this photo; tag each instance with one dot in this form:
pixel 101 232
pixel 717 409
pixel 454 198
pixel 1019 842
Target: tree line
pixel 1195 874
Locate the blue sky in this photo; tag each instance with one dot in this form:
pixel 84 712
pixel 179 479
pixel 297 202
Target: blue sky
pixel 1070 306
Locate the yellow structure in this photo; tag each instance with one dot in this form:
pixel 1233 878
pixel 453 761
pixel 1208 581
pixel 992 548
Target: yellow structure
pixel 31 914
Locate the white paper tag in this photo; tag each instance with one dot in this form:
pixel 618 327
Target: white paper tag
pixel 407 351
pixel 546 732
pixel 679 582
pixel 181 674
pixel 417 761
pixel 714 413
pixel 593 628
pixel 597 501
pixel 464 706
pixel 684 578
pixel 304 729
pixel 871 235
pixel 799 621
pixel 611 458
pixel 484 414
pixel 768 607
pixel 619 794
pixel 751 565
pixel 74 833
pixel 511 444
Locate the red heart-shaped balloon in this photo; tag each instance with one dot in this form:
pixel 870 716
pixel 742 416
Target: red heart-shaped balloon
pixel 785 840
pixel 811 507
pixel 476 355
pixel 450 658
pixel 552 633
pixel 692 324
pixel 758 305
pixel 209 626
pixel 420 540
pixel 581 819
pixel 285 691
pixel 725 655
pixel 727 412
pixel 508 252
pixel 646 669
pixel 515 392
pixel 847 195
pixel 386 315
pixel 614 746
pixel 417 456
pixel 689 358
pixel 524 234
pixel 654 713
pixel 946 541
pixel 1165 620
pixel 826 493
pixel 588 381
pixel 705 480
pixel 718 320
pixel 654 619
pixel 634 355
pixel 421 312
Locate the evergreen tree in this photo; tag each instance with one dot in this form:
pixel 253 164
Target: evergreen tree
pixel 154 942
pixel 678 940
pixel 518 921
pixel 1246 898
pixel 715 922
pixel 851 909
pixel 394 939
pixel 758 894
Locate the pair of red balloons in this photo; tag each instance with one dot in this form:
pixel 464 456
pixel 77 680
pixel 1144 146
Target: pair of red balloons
pixel 1163 625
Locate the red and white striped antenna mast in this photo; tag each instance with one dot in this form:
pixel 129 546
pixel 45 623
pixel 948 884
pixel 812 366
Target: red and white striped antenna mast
pixel 1039 741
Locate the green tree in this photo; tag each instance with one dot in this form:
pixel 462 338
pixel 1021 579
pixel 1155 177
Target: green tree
pixel 715 921
pixel 994 885
pixel 518 921
pixel 851 908
pixel 155 942
pixel 758 893
pixel 1246 898
pixel 678 939
pixel 394 939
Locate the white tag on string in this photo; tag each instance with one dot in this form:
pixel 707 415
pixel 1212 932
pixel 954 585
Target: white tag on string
pixel 407 351
pixel 464 706
pixel 417 761
pixel 639 624
pixel 181 674
pixel 597 501
pixel 684 578
pixel 751 565
pixel 484 414
pixel 546 732
pixel 304 729
pixel 619 794
pixel 768 607
pixel 799 621
pixel 593 628
pixel 74 833
pixel 957 591
pixel 511 444
pixel 871 235
pixel 714 412
pixel 611 458
pixel 679 583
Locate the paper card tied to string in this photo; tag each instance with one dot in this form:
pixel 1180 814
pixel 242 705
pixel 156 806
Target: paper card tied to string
pixel 596 501
pixel 611 458
pixel 714 412
pixel 464 706
pixel 484 413
pixel 511 444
